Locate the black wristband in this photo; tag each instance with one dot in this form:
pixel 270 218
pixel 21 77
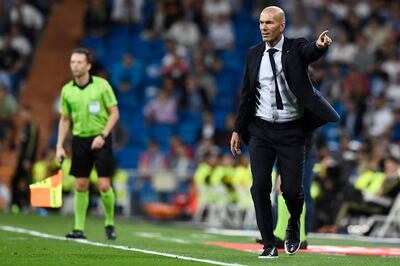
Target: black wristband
pixel 103 136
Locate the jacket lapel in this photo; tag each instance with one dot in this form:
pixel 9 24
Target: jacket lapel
pixel 255 64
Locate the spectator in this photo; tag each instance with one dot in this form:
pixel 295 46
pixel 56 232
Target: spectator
pixel 151 160
pixel 10 59
pixel 356 86
pixel 352 26
pixel 177 70
pixel 126 95
pixel 28 145
pixel 181 165
pixel 194 99
pixel 19 42
pixel 215 8
pixel 376 32
pixel 342 51
pixel 13 63
pixel 5 78
pixel 371 186
pixel 161 110
pixel 172 48
pixel 28 17
pixel 298 28
pixel 221 34
pixel 173 11
pixel 208 127
pixel 154 25
pixel 352 120
pixel 204 78
pixel 393 92
pixel 8 109
pixel 185 32
pixel 211 61
pixel 205 148
pixel 130 69
pixel 338 8
pixel 222 136
pixel 5 20
pixel 332 83
pixel 391 66
pixel 364 58
pixel 97 19
pixel 127 12
pixel 378 119
pixel 195 11
pixel 395 127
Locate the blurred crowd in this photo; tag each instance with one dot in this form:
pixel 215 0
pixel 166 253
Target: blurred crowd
pixel 176 67
pixel 21 25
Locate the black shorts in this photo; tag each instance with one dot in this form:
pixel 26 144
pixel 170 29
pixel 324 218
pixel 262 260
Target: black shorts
pixel 84 158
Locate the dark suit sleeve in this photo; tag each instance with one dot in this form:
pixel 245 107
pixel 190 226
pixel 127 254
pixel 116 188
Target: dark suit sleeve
pixel 244 100
pixel 309 50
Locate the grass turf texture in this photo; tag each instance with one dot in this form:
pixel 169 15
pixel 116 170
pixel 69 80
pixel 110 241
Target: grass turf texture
pixel 23 249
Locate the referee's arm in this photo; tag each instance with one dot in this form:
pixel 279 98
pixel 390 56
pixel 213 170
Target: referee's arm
pixel 63 128
pixel 113 117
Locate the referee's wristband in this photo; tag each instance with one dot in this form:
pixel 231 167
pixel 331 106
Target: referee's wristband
pixel 103 136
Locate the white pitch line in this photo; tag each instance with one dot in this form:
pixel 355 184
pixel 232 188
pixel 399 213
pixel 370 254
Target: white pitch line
pixel 162 238
pixel 98 244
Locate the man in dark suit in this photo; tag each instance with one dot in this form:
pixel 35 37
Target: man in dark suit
pixel 278 109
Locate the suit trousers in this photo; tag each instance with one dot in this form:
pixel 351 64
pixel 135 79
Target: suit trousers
pixel 285 144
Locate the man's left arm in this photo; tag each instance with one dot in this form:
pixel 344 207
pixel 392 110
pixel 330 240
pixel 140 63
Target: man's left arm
pixel 113 116
pixel 112 119
pixel 312 51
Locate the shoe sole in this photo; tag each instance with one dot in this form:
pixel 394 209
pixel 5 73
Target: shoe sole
pixel 291 253
pixel 267 258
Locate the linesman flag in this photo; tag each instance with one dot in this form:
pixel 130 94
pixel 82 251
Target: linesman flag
pixel 48 192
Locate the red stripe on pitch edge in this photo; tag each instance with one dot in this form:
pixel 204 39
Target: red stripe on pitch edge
pixel 346 250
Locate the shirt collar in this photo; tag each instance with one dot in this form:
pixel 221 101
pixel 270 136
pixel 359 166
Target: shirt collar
pixel 84 86
pixel 278 46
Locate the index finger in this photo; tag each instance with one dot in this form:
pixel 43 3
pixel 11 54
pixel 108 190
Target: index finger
pixel 323 33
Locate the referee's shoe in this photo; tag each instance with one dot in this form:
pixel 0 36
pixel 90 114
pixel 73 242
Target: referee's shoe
pixel 76 234
pixel 110 232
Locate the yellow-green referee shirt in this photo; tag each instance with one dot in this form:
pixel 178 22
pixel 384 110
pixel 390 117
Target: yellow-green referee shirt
pixel 87 106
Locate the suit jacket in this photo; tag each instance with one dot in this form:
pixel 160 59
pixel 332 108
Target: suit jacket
pixel 297 54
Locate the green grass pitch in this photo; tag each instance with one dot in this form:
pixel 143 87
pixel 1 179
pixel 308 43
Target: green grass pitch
pixel 24 249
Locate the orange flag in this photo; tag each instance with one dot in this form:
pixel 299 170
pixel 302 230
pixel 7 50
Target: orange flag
pixel 48 192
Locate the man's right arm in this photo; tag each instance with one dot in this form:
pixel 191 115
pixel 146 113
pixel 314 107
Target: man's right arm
pixel 242 111
pixel 244 100
pixel 63 128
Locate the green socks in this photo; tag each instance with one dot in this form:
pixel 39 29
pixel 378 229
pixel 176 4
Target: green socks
pixel 283 217
pixel 108 199
pixel 81 205
pixel 82 202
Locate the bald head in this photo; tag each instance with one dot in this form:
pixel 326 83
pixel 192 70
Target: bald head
pixel 276 12
pixel 272 24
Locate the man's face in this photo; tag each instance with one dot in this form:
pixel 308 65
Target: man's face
pixel 271 26
pixel 79 65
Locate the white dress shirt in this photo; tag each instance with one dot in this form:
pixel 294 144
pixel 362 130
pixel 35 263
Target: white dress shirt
pixel 267 109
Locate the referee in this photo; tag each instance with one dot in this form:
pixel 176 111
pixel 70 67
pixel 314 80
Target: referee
pixel 89 104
